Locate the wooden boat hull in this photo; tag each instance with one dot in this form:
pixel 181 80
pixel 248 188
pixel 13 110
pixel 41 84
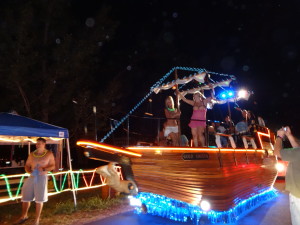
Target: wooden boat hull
pixel 226 178
pixel 223 178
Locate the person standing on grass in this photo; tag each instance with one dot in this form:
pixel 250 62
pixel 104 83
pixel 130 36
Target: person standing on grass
pixel 292 155
pixel 38 164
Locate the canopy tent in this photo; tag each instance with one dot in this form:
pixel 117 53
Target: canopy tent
pixel 13 126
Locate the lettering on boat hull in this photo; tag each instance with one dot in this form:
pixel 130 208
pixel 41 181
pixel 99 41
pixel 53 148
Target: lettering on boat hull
pixel 195 156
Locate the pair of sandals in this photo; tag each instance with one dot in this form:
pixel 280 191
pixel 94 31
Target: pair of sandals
pixel 23 220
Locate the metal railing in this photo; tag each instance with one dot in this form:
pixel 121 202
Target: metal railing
pixel 59 182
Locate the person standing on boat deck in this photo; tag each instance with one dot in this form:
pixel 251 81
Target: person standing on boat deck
pixel 242 126
pixel 244 116
pixel 171 125
pixel 229 125
pixel 222 130
pixel 292 155
pixel 38 164
pixel 198 119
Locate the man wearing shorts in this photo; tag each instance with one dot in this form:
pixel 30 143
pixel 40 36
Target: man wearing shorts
pixel 38 164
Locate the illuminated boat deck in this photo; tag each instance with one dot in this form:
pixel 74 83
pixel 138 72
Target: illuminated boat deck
pixel 137 151
pixel 189 149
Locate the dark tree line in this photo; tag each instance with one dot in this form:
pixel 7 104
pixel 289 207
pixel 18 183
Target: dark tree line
pixel 49 60
pixel 57 62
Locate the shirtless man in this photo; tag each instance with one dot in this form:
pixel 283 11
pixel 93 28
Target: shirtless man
pixel 38 164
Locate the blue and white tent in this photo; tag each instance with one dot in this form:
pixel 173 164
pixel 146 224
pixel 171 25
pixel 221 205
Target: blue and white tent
pixel 15 125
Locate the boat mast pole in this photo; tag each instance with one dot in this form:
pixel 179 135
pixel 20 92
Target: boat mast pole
pixel 177 106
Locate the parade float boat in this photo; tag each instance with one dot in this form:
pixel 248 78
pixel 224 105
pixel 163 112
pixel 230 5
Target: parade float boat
pixel 193 184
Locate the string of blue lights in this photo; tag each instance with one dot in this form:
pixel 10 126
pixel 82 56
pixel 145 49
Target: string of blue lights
pixel 183 212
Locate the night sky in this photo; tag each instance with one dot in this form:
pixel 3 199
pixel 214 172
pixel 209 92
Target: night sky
pixel 257 41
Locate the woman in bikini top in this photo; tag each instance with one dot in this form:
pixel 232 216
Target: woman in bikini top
pixel 198 119
pixel 171 126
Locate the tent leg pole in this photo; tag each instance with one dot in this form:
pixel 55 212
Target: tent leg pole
pixel 61 161
pixel 29 145
pixel 71 172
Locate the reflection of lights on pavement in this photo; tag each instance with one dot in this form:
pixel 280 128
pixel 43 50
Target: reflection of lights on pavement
pixel 205 205
pixel 280 167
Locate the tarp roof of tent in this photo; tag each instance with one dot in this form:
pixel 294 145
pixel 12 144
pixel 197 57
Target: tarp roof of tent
pixel 15 125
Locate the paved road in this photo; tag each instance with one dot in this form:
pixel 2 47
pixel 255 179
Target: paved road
pixel 274 212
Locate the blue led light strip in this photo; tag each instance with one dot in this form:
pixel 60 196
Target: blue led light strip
pixel 222 74
pixel 183 212
pixel 158 83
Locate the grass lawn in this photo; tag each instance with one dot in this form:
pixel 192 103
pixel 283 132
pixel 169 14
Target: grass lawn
pixel 60 208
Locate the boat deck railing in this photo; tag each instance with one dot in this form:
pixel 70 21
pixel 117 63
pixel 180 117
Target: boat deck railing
pixel 148 130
